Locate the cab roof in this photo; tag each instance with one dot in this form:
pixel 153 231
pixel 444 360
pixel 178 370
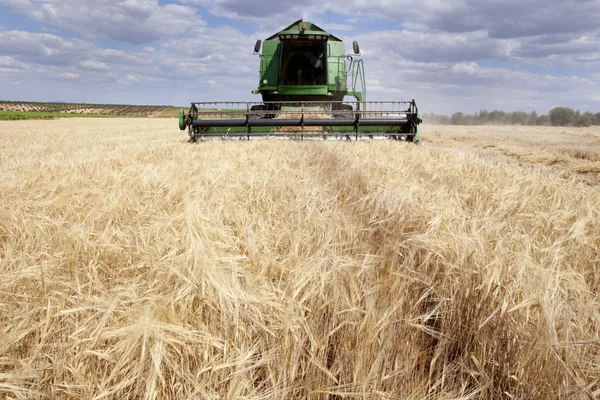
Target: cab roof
pixel 311 29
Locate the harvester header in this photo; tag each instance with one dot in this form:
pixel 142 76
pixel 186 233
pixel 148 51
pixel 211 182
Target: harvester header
pixel 310 88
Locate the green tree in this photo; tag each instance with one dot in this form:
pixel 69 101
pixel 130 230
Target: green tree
pixel 543 120
pixel 484 116
pixel 519 118
pixel 457 118
pixel 497 117
pixel 532 118
pixel 562 116
pixel 445 120
pixel 585 119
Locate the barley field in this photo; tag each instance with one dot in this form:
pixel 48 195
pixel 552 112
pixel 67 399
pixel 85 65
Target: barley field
pixel 136 265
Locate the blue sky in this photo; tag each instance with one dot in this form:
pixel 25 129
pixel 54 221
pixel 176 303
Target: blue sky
pixel 456 55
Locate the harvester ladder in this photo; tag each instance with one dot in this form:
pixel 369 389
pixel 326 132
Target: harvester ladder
pixel 356 79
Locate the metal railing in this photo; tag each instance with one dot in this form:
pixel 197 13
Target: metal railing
pixel 306 118
pixel 308 109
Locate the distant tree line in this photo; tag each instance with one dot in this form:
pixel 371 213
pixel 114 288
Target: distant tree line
pixel 558 116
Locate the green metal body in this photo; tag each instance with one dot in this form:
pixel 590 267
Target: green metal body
pixel 335 64
pixel 300 66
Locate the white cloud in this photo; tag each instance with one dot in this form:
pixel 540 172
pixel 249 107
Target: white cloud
pixel 466 68
pixel 339 27
pixel 9 64
pixel 131 21
pixel 94 65
pixel 434 46
pixel 452 55
pixel 41 47
pixel 70 75
pixel 129 78
pixel 224 57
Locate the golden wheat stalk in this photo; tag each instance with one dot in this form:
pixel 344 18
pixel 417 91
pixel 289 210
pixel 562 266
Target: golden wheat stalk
pixel 135 265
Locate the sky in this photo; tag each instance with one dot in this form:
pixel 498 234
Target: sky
pixel 454 55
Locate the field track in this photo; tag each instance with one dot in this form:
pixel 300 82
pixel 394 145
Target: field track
pixel 136 265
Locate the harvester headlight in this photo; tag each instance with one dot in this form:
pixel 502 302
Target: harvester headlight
pixel 295 37
pixel 311 36
pixel 265 82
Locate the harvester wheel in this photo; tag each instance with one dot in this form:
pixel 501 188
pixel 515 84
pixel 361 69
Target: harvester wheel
pixel 182 124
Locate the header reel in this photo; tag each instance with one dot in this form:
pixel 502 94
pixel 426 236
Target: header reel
pixel 329 120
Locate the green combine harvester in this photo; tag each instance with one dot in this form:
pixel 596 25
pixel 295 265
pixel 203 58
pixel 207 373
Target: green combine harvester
pixel 305 80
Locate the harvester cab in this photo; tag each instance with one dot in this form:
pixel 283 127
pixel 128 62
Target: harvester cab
pixel 305 78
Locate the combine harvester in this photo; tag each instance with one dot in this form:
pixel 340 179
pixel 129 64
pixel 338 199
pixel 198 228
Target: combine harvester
pixel 305 75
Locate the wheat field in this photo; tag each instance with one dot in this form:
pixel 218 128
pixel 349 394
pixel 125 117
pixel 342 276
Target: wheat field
pixel 136 265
